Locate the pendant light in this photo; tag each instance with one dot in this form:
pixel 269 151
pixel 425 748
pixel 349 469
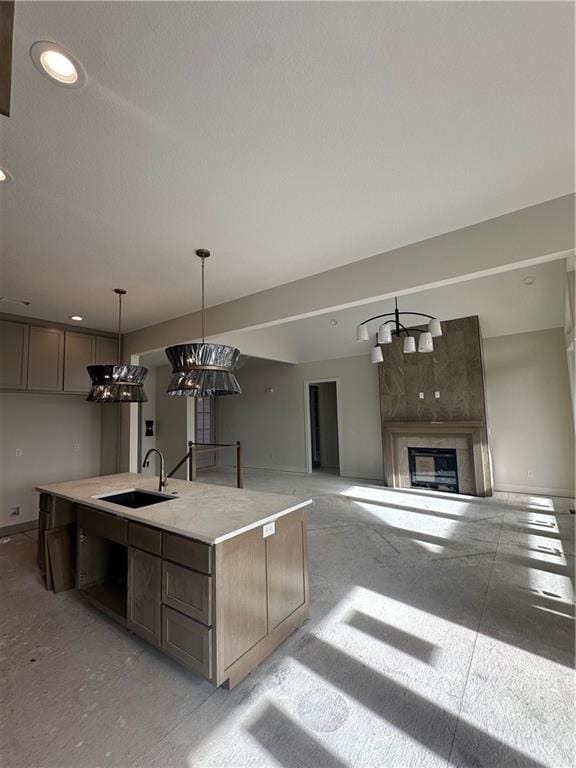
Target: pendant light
pixel 117 383
pixel 203 369
pixel 394 327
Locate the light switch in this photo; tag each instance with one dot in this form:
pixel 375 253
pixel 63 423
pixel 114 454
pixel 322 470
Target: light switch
pixel 268 530
pixel 18 451
pixel 437 395
pixel 421 395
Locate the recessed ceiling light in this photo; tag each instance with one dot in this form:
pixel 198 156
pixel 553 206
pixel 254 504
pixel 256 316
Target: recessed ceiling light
pixel 77 318
pixel 57 64
pixel 529 280
pixel 4 176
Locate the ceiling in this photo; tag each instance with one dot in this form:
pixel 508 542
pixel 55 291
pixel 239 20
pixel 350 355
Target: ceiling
pixel 289 138
pixel 503 302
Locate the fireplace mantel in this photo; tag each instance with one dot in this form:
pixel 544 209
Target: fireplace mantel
pixel 473 431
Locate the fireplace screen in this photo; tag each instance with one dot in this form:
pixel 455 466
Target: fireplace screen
pixel 434 468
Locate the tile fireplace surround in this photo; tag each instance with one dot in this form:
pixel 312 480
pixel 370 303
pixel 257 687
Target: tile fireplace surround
pixel 467 437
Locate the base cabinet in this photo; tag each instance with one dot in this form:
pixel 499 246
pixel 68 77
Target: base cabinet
pixel 144 595
pixel 218 609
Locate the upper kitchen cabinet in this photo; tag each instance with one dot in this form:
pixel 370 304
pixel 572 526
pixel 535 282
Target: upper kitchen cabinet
pixel 106 351
pixel 45 359
pixel 13 354
pixel 79 352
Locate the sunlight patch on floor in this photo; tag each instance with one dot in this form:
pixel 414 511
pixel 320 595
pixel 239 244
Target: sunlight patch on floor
pixel 404 499
pixel 412 525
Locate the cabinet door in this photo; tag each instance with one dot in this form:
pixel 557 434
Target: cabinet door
pixel 45 358
pixel 13 354
pixel 186 640
pixel 241 610
pixel 286 565
pixel 106 351
pixel 144 590
pixel 79 350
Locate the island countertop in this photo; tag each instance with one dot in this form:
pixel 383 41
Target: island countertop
pixel 209 513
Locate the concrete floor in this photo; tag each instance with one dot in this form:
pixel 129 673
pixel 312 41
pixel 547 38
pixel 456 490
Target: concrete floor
pixel 442 633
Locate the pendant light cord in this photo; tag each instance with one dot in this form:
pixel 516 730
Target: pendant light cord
pixel 203 337
pixel 119 329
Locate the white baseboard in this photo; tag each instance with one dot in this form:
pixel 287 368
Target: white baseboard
pixel 567 493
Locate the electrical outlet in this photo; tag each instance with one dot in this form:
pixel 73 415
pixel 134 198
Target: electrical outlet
pixel 437 395
pixel 18 452
pixel 14 511
pixel 268 530
pixel 530 473
pixel 421 395
pixel 76 448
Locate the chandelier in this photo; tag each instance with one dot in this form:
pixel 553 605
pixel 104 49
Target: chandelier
pixel 203 370
pixel 117 383
pixel 394 327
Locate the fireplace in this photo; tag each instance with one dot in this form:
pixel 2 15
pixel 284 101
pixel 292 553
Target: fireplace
pixel 435 468
pixel 446 457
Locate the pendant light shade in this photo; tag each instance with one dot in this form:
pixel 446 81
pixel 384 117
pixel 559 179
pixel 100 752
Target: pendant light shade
pixel 117 383
pixel 425 343
pixel 384 334
pixel 376 355
pixel 435 328
pixel 203 370
pixel 362 333
pixel 409 345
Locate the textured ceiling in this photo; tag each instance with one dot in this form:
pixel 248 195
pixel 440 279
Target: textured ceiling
pixel 287 137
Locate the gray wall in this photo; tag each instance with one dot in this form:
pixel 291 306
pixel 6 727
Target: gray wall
pixel 60 440
pixel 171 423
pixel 529 413
pixel 271 425
pixel 528 402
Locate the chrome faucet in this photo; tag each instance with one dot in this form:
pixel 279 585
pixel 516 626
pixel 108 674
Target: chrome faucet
pixel 162 480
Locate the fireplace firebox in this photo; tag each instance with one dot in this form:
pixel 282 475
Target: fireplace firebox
pixel 433 468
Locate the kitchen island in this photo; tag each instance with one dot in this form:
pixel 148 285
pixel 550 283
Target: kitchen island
pixel 215 577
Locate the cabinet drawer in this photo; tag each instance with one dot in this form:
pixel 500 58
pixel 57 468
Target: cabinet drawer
pixel 186 640
pixel 146 538
pixel 103 525
pixel 187 591
pixel 188 552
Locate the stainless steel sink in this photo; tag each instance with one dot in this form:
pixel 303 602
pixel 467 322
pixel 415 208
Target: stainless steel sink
pixel 135 498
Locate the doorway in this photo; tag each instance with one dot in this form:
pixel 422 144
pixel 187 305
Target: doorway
pixel 322 426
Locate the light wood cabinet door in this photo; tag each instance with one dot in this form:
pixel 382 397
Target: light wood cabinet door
pixel 79 351
pixel 106 351
pixel 286 568
pixel 45 358
pixel 144 591
pixel 13 355
pixel 241 601
pixel 186 640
